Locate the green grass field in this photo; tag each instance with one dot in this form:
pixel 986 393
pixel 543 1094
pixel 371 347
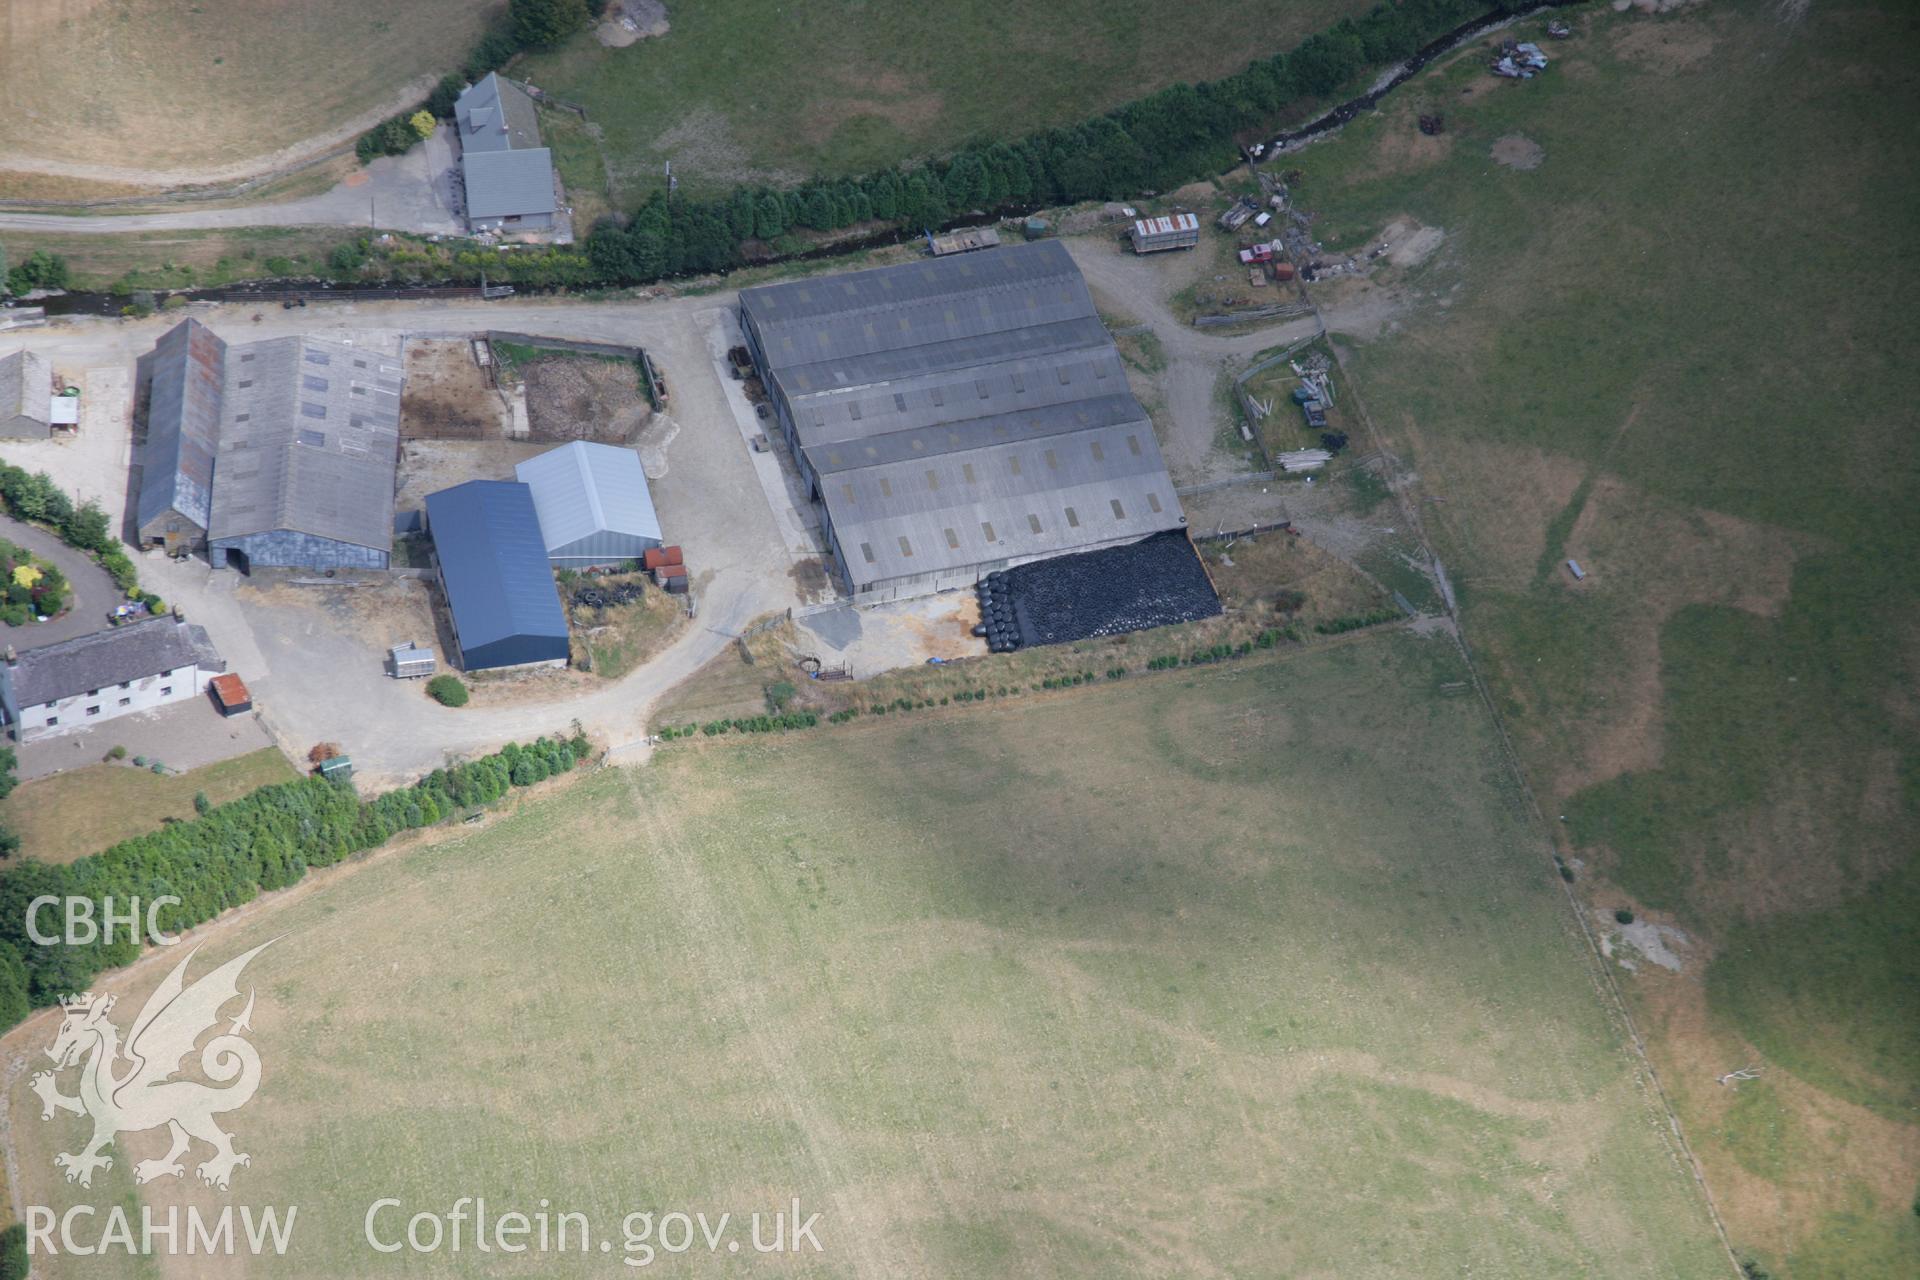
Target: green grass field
pixel 1676 350
pixel 86 810
pixel 162 85
pixel 761 90
pixel 1252 971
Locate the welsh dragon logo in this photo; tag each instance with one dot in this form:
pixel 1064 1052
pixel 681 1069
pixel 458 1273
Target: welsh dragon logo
pixel 132 1088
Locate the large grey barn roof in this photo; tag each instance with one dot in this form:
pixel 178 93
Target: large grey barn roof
pixel 101 659
pixel 26 385
pixel 962 410
pixel 309 440
pixel 504 184
pixel 183 423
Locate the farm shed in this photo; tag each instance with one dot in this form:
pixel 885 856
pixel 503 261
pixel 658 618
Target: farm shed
pixel 26 392
pixel 279 453
pixel 304 471
pixel 230 694
pixel 958 415
pixel 493 569
pixel 506 173
pixel 181 381
pixel 593 504
pixel 75 683
pixel 1178 231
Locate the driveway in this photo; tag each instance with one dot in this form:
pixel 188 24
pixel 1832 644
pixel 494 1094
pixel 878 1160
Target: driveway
pixel 94 594
pixel 412 192
pixel 1128 282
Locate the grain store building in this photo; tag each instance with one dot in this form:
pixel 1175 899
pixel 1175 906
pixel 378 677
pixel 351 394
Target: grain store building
pixel 958 415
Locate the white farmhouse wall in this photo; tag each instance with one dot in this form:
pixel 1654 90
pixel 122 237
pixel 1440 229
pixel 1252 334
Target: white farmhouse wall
pixel 47 720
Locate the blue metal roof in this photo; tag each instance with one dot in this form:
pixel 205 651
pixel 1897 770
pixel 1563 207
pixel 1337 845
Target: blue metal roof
pixel 493 564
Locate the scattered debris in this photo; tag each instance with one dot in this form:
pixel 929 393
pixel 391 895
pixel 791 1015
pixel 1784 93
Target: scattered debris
pixel 1433 125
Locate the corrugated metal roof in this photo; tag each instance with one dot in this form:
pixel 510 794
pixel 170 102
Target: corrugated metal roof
pixel 309 440
pixel 493 562
pixel 962 410
pixel 1166 226
pixel 101 659
pixel 183 423
pixel 503 184
pixel 583 488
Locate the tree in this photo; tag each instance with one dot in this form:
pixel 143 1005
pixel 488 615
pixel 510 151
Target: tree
pixel 422 122
pixel 88 528
pixel 445 94
pixel 538 24
pixel 347 259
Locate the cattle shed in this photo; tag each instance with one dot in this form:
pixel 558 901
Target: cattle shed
pixel 958 415
pixel 309 443
pixel 593 504
pixel 494 571
pixel 181 382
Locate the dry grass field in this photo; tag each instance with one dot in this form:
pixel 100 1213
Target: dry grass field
pixel 198 90
pixel 970 986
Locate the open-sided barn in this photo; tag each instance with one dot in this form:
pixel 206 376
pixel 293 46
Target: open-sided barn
pixel 958 415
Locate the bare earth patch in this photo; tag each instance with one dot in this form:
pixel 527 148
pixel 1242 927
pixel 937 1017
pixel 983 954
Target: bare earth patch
pixel 631 22
pixel 1517 151
pixel 1666 46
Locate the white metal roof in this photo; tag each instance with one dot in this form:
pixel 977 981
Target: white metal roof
pixel 583 488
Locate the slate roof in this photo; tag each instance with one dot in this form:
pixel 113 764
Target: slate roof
pixel 583 488
pixel 26 386
pixel 503 184
pixel 496 115
pixel 506 171
pixel 310 437
pixel 105 658
pixel 493 563
pixel 187 369
pixel 962 410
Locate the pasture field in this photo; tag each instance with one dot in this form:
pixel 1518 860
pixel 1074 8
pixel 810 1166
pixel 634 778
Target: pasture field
pixel 82 811
pixel 1260 969
pixel 189 89
pixel 764 90
pixel 1666 334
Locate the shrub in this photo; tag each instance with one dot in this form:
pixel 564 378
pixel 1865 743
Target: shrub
pixel 447 690
pixel 139 762
pixel 201 803
pixel 1624 916
pixel 157 767
pixel 779 694
pixel 1566 873
pixel 116 752
pixel 13 1249
pixel 1354 622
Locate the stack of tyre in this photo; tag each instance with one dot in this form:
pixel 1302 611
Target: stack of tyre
pixel 996 614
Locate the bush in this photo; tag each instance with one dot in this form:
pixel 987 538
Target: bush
pixel 201 804
pixel 540 24
pixel 116 752
pixel 1624 916
pixel 779 694
pixel 13 1252
pixel 1354 622
pixel 157 767
pixel 447 690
